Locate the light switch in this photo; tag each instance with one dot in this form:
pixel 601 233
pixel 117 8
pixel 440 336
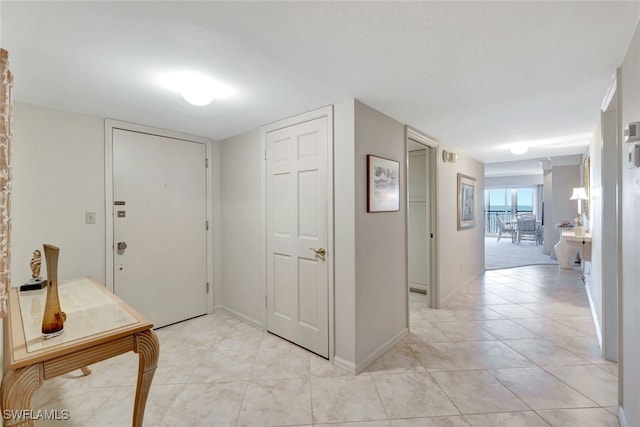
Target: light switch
pixel 90 217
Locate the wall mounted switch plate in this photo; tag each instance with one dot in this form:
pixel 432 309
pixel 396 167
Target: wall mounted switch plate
pixel 90 217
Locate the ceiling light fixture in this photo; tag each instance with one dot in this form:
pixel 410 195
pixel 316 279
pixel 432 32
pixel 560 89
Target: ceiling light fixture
pixel 519 149
pixel 197 89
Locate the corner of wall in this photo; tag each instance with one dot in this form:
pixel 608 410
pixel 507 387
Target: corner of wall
pixel 344 235
pixel 381 284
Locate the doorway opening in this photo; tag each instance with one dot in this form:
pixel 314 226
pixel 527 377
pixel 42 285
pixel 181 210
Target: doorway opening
pixel 422 285
pixel 514 226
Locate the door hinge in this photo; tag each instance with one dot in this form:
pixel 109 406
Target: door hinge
pixel 207 287
pixel 265 154
pixel 265 300
pixel 206 225
pixel 206 163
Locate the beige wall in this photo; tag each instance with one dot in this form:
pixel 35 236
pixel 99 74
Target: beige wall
pixel 460 252
pixel 381 244
pixel 630 112
pixel 565 178
pixel 242 287
pixel 550 234
pixel 344 193
pixel 58 174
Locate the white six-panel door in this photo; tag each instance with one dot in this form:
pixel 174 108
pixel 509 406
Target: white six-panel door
pixel 297 218
pixel 159 213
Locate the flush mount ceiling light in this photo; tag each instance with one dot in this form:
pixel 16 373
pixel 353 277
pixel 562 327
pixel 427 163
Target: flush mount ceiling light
pixel 197 89
pixel 519 149
pixel 566 141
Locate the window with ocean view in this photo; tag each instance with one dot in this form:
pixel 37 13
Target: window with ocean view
pixel 508 203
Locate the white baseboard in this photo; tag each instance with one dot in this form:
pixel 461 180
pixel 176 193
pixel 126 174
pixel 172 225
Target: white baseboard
pixel 239 316
pixel 344 364
pixel 446 299
pixel 361 366
pixel 622 417
pixel 594 315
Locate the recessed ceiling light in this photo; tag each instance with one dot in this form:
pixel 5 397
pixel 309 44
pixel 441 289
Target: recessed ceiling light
pixel 518 150
pixel 197 89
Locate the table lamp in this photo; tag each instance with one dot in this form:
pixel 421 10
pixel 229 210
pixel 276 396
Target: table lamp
pixel 579 194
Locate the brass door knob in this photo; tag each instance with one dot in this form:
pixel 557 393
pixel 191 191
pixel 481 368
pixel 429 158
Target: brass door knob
pixel 321 251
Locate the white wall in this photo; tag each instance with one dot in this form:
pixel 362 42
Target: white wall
pixel 631 244
pixel 242 287
pixel 58 174
pixel 460 252
pixel 381 244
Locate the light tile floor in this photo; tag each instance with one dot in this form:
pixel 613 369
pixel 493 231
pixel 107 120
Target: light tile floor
pixel 515 348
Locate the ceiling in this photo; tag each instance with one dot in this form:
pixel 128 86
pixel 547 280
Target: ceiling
pixel 476 76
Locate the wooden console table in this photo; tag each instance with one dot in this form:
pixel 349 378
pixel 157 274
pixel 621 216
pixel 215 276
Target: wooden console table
pixel 99 326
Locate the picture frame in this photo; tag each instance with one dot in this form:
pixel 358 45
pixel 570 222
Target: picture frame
pixel 383 184
pixel 466 202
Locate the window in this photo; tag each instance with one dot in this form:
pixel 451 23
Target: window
pixel 524 199
pixel 508 203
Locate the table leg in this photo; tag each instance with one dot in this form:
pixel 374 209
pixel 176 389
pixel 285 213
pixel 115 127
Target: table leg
pixel 148 348
pixel 85 370
pixel 17 390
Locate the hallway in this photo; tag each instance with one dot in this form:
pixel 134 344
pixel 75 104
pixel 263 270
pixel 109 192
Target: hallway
pixel 515 348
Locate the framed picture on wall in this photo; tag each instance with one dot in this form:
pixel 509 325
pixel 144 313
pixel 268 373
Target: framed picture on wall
pixel 383 184
pixel 466 201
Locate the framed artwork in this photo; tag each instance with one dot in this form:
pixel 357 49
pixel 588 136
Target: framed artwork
pixel 383 184
pixel 466 201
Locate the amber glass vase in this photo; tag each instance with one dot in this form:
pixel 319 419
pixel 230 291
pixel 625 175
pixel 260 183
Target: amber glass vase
pixel 53 320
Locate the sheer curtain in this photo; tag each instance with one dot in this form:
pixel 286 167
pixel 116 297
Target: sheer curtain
pixel 6 86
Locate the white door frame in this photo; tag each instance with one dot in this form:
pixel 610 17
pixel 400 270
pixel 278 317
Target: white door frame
pixel 434 273
pixel 300 118
pixel 109 126
pixel 611 280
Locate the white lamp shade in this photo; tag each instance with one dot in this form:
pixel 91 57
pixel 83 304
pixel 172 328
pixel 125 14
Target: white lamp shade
pixel 579 193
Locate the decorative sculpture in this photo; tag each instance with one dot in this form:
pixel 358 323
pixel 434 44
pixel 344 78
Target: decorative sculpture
pixel 36 281
pixel 36 260
pixel 54 317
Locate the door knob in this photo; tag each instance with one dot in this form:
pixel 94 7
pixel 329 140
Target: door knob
pixel 122 246
pixel 321 251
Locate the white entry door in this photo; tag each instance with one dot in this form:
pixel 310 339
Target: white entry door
pixel 159 225
pixel 297 218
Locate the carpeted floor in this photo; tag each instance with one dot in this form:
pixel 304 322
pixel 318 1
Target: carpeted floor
pixel 504 254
